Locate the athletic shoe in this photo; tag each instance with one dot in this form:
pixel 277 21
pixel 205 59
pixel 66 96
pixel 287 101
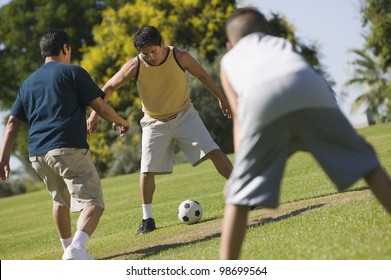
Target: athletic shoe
pixel 73 253
pixel 147 225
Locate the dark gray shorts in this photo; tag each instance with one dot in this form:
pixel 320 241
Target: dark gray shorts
pixel 325 133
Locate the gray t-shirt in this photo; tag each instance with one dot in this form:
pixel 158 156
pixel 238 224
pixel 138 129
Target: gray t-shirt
pixel 272 80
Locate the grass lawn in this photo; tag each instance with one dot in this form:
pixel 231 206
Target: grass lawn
pixel 313 222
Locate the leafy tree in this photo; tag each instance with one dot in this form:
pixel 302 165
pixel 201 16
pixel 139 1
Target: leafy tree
pixel 372 65
pixel 375 82
pixel 376 15
pixel 22 22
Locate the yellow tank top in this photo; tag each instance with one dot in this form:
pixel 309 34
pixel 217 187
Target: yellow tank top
pixel 163 88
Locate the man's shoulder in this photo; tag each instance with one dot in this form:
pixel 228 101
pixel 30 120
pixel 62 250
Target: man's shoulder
pixel 131 67
pixel 133 61
pixel 183 57
pixel 73 67
pixel 179 51
pixel 72 71
pixel 62 67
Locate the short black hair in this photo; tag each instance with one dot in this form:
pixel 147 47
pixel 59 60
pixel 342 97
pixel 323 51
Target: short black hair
pixel 147 36
pixel 245 21
pixel 52 42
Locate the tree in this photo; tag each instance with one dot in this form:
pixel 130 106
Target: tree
pixel 22 22
pixel 376 85
pixel 376 14
pixel 372 66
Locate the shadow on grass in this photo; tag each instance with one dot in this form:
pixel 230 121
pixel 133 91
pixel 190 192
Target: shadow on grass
pixel 294 213
pixel 155 250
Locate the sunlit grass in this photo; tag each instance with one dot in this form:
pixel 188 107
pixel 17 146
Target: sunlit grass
pixel 352 230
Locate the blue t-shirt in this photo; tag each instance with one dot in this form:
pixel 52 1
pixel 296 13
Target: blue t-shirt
pixel 53 101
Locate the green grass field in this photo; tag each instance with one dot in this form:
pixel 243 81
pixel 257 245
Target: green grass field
pixel 313 222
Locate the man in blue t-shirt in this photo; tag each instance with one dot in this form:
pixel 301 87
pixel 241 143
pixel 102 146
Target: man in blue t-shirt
pixel 53 102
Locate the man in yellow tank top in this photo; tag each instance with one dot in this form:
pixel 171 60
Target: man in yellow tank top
pixel 169 116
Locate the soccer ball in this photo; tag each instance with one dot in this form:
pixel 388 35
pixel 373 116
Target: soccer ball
pixel 189 212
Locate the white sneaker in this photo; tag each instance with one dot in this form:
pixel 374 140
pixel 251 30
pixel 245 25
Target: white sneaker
pixel 73 253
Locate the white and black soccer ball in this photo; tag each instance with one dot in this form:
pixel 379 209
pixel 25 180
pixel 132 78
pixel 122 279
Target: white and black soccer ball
pixel 190 212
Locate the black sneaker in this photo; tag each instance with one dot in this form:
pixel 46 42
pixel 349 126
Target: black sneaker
pixel 146 226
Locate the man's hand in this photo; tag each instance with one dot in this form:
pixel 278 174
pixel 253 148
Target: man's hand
pixel 4 171
pixel 10 134
pixel 224 106
pixel 122 129
pixel 92 123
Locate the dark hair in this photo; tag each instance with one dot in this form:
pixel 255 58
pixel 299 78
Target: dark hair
pixel 245 21
pixel 52 42
pixel 147 36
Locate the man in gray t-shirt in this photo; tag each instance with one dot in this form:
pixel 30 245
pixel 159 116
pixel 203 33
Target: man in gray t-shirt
pixel 280 105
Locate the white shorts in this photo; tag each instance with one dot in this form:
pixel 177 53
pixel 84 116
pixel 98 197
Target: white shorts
pixel 159 139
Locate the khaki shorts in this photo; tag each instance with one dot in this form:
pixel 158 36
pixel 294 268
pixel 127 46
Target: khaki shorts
pixel 159 139
pixel 70 177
